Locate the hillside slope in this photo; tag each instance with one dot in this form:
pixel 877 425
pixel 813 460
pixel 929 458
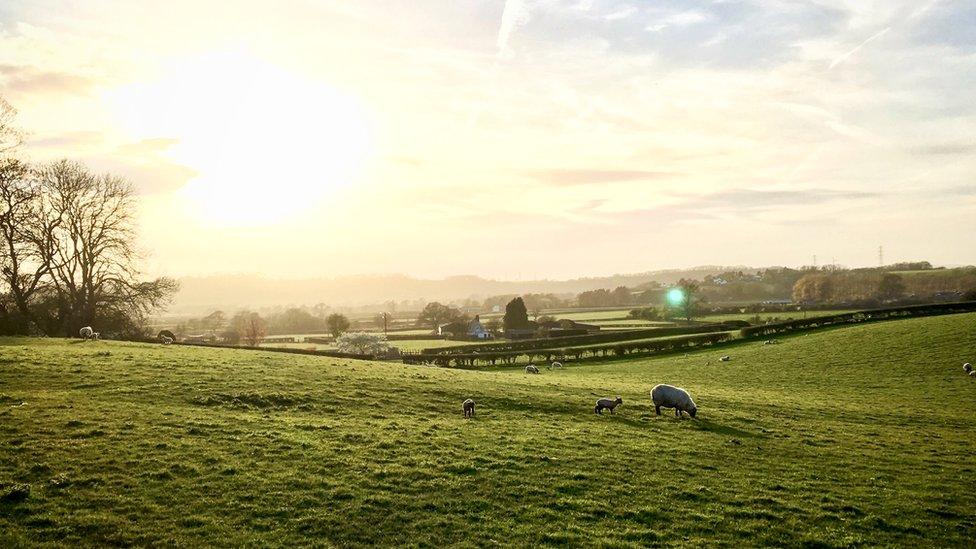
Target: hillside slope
pixel 860 435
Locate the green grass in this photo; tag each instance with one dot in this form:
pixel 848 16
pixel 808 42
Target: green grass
pixel 853 436
pixel 769 316
pixel 404 345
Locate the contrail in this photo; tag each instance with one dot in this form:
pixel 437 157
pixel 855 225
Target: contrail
pixel 847 55
pixel 515 15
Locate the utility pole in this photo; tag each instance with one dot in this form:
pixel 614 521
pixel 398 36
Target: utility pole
pixel 880 256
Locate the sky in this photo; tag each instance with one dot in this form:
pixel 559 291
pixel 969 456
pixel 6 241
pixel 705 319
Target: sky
pixel 512 139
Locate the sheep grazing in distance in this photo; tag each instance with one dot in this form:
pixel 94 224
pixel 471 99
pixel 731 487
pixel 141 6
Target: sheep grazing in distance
pixel 556 365
pixel 771 342
pixel 86 332
pixel 968 368
pixel 530 369
pixel 726 358
pixel 608 404
pixel 96 336
pixel 972 374
pixel 167 340
pixel 669 396
pixel 468 408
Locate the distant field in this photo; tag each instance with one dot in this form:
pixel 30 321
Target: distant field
pixel 767 316
pixel 854 436
pixel 409 345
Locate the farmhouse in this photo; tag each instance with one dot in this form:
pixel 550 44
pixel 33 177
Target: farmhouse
pixel 468 330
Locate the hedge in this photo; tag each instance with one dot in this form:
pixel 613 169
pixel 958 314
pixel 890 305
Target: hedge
pixel 574 341
pixel 859 316
pixel 633 348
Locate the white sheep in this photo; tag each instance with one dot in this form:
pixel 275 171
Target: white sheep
pixel 608 404
pixel 530 369
pixel 96 336
pixel 556 365
pixel 726 358
pixel 167 340
pixel 972 374
pixel 968 368
pixel 669 396
pixel 467 407
pixel 86 332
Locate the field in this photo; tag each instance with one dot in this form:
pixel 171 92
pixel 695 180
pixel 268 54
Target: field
pixel 851 436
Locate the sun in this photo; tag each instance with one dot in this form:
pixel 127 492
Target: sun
pixel 266 143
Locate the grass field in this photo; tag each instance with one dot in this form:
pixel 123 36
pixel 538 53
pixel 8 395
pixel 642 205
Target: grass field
pixel 853 436
pixel 404 345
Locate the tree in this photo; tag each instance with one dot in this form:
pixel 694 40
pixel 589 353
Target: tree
pixel 362 343
pixel 689 297
pixel 516 316
pixel 251 328
pixel 11 137
pixel 336 324
pixel 435 314
pixel 621 296
pixel 214 321
pixel 890 287
pixel 94 270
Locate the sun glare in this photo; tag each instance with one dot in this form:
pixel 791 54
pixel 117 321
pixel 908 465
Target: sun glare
pixel 266 143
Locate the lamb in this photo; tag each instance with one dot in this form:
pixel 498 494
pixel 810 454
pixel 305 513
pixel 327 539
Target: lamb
pixel 167 340
pixel 668 396
pixel 530 369
pixel 86 332
pixel 608 404
pixel 968 368
pixel 726 358
pixel 468 408
pixel 96 336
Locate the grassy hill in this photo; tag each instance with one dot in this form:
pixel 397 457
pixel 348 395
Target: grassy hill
pixel 850 436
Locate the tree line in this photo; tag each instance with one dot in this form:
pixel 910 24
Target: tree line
pixel 67 252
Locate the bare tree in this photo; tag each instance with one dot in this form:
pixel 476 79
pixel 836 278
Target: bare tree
pixel 27 227
pixel 94 260
pixel 10 136
pixel 252 329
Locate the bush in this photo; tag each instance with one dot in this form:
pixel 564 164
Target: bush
pixel 363 343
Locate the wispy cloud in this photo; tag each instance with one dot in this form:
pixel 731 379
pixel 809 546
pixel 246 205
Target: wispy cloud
pixel 595 176
pixel 515 15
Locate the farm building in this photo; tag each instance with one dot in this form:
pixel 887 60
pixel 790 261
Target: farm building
pixel 467 330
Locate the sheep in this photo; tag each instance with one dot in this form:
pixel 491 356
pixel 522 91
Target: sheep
pixel 608 404
pixel 530 369
pixel 968 368
pixel 972 374
pixel 726 358
pixel 467 407
pixel 96 336
pixel 86 332
pixel 556 365
pixel 668 396
pixel 167 340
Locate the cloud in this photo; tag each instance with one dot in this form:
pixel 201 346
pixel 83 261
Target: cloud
pixel 32 80
pixel 69 140
pixel 594 176
pixel 622 13
pixel 944 149
pixel 678 19
pixel 754 200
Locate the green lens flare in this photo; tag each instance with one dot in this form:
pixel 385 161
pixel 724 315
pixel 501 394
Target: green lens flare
pixel 676 296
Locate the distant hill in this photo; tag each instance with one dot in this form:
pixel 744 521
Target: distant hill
pixel 202 294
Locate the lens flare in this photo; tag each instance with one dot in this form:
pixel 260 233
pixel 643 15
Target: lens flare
pixel 676 297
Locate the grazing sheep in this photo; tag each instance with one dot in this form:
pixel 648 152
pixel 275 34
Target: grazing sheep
pixel 972 374
pixel 96 335
pixel 668 396
pixel 968 368
pixel 556 365
pixel 608 404
pixel 530 369
pixel 86 332
pixel 468 408
pixel 167 340
pixel 726 358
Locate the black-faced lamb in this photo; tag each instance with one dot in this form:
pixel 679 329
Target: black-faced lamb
pixel 167 340
pixel 530 369
pixel 467 407
pixel 608 404
pixel 669 396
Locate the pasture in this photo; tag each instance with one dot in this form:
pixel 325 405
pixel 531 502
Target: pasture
pixel 860 435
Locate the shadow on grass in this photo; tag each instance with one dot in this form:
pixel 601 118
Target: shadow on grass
pixel 703 424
